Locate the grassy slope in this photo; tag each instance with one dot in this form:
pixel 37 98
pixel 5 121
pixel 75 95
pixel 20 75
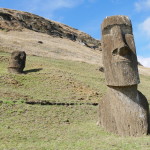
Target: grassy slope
pixel 39 127
pixel 58 48
pixel 53 80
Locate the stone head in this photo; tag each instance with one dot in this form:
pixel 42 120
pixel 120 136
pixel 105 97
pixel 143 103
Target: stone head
pixel 17 61
pixel 119 53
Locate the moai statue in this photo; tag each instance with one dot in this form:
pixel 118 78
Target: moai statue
pixel 17 62
pixel 124 110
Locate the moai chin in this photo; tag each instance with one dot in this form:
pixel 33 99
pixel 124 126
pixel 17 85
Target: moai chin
pixel 124 110
pixel 17 62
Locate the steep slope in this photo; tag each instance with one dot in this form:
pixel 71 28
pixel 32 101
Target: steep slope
pixel 51 39
pixel 41 37
pixel 18 20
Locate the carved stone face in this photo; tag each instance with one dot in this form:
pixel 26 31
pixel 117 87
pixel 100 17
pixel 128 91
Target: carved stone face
pixel 119 53
pixel 17 62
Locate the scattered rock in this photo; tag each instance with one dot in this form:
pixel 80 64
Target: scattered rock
pixel 4 59
pixel 40 42
pixel 1 102
pixel 81 98
pixel 18 20
pixel 101 69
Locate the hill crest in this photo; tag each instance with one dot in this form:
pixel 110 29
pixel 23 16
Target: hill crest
pixel 19 20
pixel 42 37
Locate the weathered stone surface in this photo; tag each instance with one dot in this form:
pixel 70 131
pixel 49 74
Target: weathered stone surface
pixel 17 62
pixel 119 54
pixel 124 110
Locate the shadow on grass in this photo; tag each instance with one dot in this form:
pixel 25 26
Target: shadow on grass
pixel 57 103
pixel 32 70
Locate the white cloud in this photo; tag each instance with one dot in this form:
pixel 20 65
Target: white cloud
pixel 144 27
pixel 142 5
pixel 144 61
pixel 48 7
pixel 53 5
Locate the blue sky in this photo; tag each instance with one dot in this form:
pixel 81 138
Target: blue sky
pixel 87 15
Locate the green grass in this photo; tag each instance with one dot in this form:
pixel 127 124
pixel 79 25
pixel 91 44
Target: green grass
pixel 59 127
pixel 54 81
pixel 144 86
pixel 53 127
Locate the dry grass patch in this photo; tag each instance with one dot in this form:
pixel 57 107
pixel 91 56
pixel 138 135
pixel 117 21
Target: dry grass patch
pixel 57 127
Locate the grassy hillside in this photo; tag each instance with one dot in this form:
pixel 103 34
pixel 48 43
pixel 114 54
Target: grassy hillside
pixel 57 127
pixel 53 47
pixel 52 80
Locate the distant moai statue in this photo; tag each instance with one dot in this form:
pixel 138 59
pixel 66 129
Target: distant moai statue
pixel 17 62
pixel 124 110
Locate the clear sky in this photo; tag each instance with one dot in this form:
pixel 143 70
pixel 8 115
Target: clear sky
pixel 87 15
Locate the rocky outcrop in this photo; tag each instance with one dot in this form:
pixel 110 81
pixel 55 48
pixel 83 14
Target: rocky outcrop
pixel 18 20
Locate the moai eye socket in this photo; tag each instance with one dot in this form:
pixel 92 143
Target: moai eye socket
pixel 106 30
pixel 126 29
pixel 124 51
pixel 115 52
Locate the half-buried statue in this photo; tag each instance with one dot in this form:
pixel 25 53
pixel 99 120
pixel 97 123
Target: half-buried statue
pixel 124 110
pixel 17 62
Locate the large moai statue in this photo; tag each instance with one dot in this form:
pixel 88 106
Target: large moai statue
pixel 17 62
pixel 124 110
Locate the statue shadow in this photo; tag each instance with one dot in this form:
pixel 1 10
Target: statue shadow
pixel 32 70
pixel 149 117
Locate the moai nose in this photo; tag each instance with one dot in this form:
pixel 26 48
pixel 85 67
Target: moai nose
pixel 120 47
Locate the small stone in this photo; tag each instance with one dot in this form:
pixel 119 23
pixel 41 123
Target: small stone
pixel 40 42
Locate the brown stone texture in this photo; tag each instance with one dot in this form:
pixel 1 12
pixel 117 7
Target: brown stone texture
pixel 124 110
pixel 17 62
pixel 119 54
